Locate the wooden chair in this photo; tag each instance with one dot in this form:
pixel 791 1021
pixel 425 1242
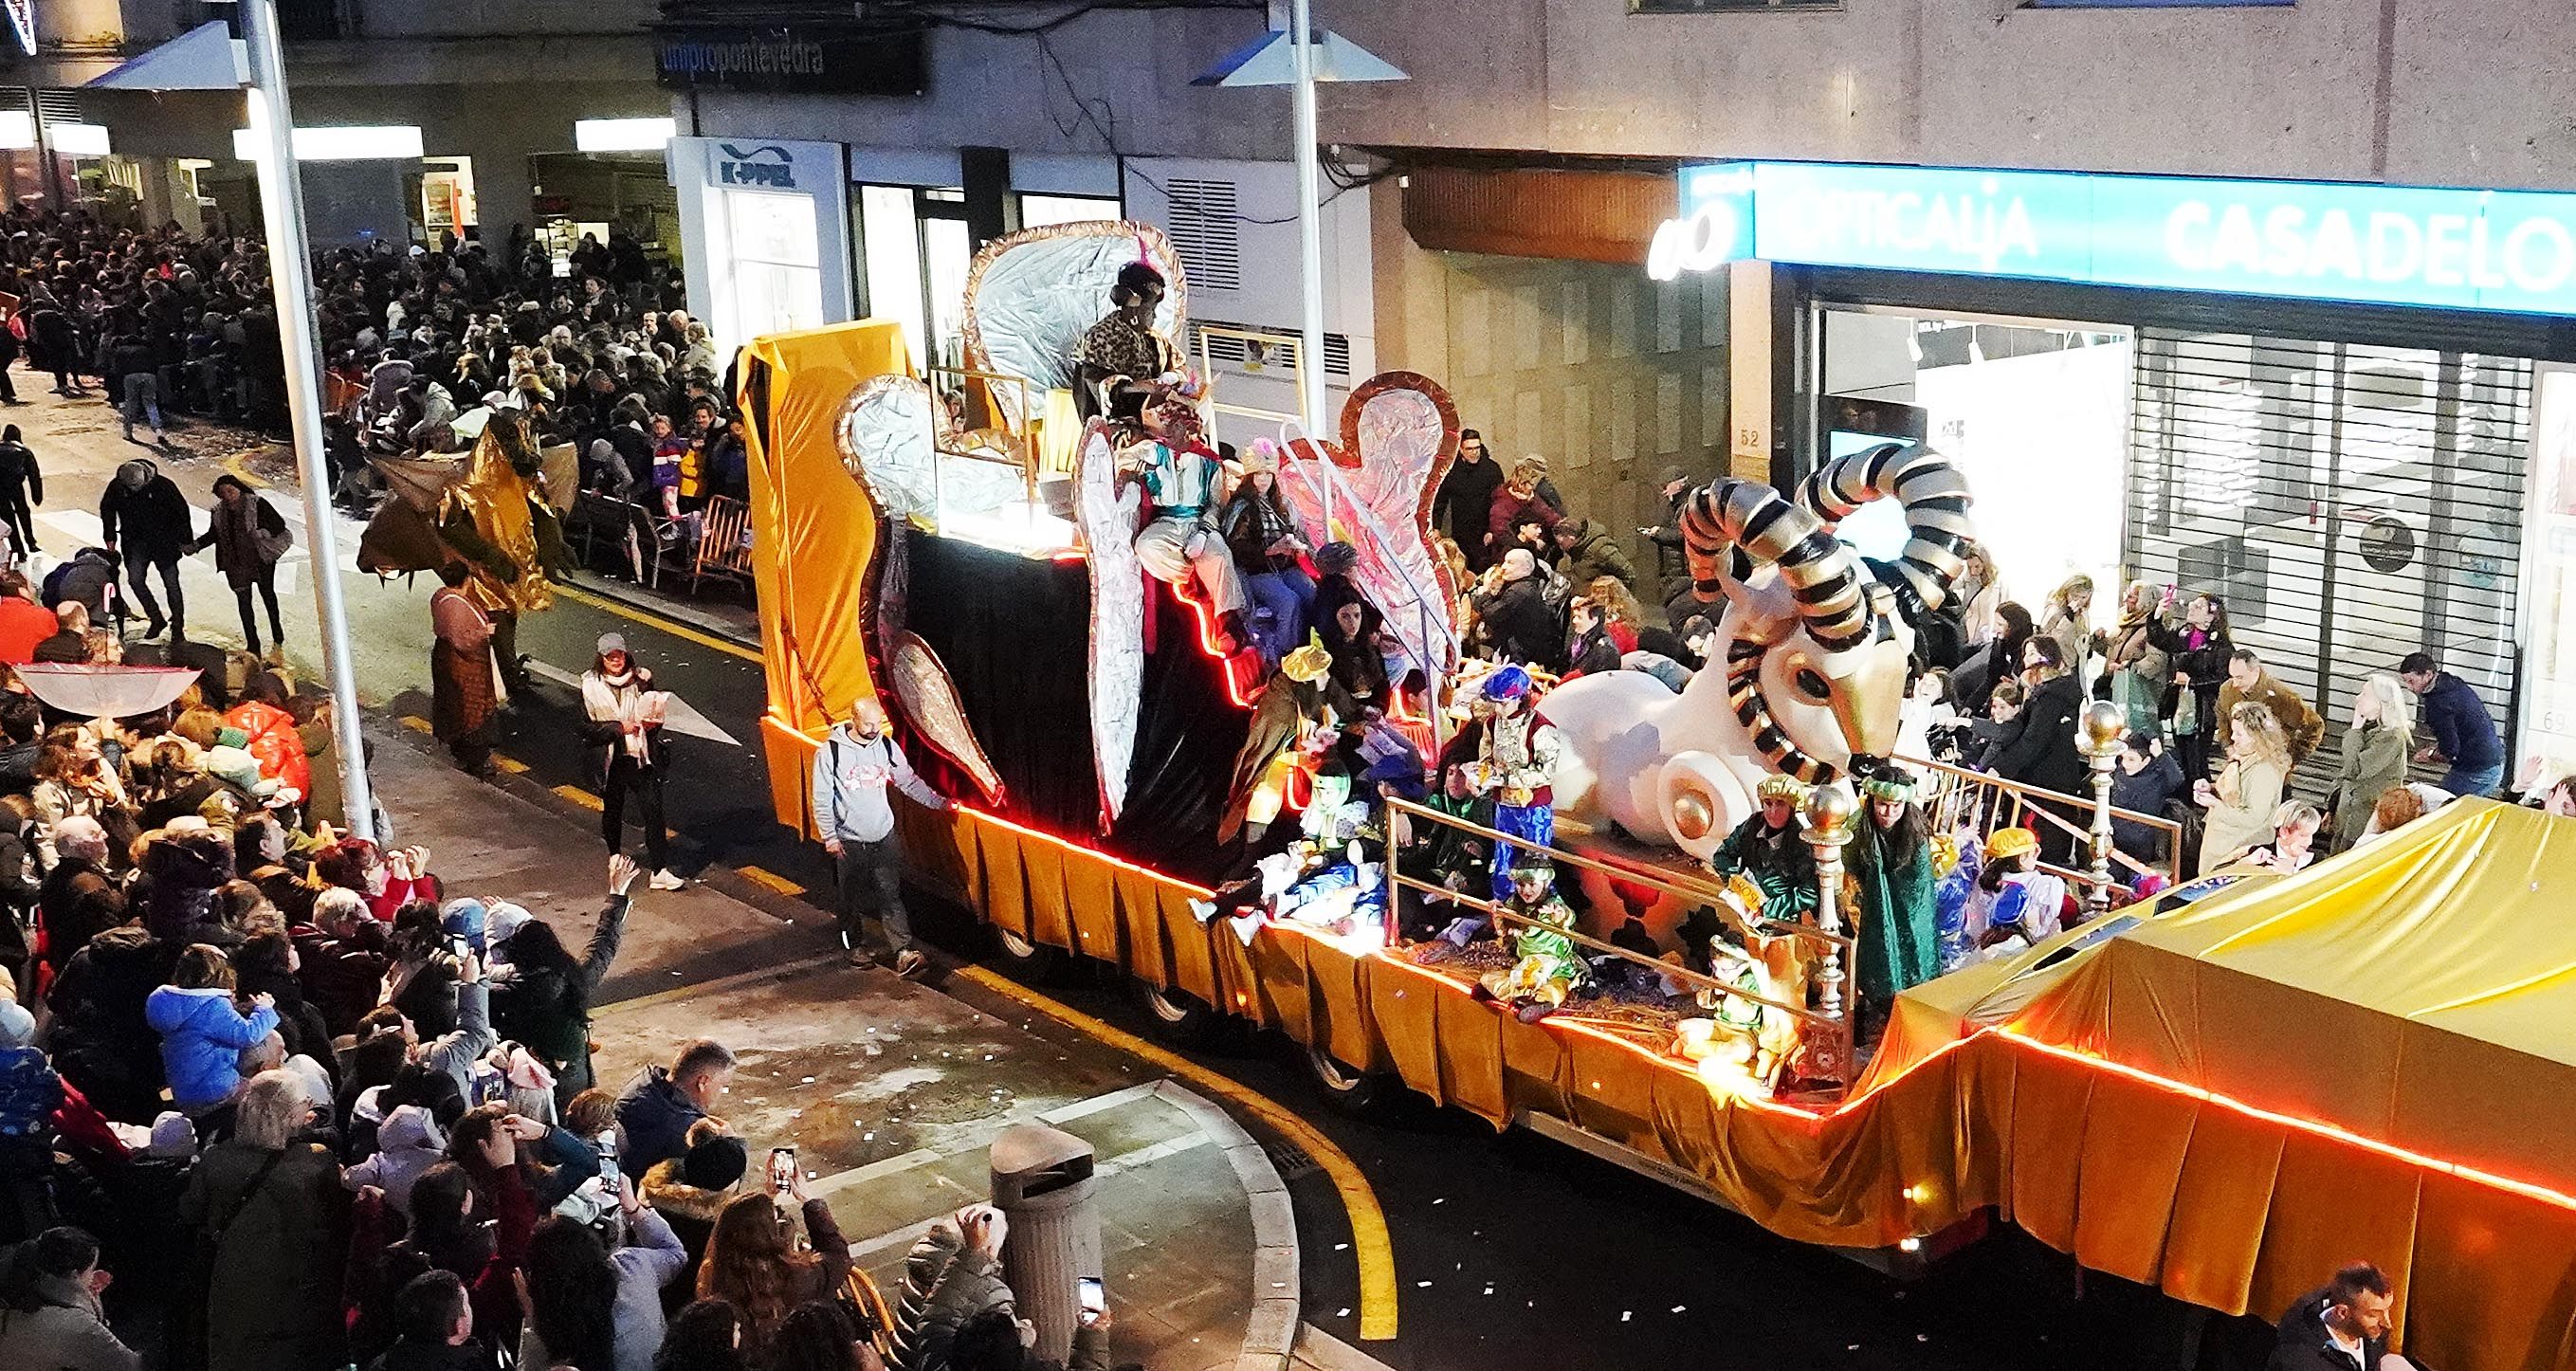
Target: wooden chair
pixel 724 541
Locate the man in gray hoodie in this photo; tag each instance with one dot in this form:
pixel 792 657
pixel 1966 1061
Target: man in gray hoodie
pixel 852 815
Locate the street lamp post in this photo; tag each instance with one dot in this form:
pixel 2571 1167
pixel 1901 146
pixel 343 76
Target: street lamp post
pixel 290 267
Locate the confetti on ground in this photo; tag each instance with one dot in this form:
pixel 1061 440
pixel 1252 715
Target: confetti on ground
pixel 1443 1199
pixel 1343 1315
pixel 1422 1285
pixel 1341 1247
pixel 1627 1314
pixel 871 1137
pixel 1679 1307
pixel 810 1080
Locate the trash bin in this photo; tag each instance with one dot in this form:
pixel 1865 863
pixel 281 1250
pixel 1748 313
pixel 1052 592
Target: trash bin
pixel 1043 1184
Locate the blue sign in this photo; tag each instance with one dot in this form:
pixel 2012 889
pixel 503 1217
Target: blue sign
pixel 2396 245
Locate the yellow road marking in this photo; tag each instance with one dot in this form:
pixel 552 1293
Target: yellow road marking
pixel 509 764
pixel 1369 1241
pixel 234 468
pixel 771 879
pixel 674 628
pixel 578 796
pixel 415 723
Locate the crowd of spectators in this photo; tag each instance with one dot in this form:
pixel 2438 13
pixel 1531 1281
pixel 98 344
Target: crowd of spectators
pixel 419 343
pixel 313 1110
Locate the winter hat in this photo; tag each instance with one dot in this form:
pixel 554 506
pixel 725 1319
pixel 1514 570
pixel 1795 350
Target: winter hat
pixel 172 1136
pixel 502 921
pixel 715 1163
pixel 233 766
pixel 465 918
pixel 315 1080
pixel 17 1026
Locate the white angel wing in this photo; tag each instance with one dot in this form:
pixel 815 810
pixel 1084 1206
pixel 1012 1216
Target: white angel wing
pixel 1404 430
pixel 1107 516
pixel 1031 295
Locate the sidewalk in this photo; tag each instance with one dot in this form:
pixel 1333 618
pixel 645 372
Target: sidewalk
pixel 890 1091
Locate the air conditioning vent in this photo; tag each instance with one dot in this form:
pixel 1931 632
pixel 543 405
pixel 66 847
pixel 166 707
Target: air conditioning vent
pixel 60 106
pixel 1206 229
pixel 1280 359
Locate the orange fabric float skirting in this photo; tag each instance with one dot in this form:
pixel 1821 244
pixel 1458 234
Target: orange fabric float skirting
pixel 2212 1202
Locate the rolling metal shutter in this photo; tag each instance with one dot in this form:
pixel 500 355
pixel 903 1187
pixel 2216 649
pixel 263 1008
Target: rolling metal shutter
pixel 2353 503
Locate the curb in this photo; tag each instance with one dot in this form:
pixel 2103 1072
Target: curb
pixel 1270 1334
pixel 622 593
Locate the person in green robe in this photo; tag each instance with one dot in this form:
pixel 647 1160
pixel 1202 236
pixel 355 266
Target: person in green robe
pixel 1769 850
pixel 1890 860
pixel 1551 964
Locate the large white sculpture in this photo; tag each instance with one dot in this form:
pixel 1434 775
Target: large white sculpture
pixel 1808 667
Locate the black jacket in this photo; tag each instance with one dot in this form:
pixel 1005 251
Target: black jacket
pixel 1465 502
pixel 1521 625
pixel 101 1042
pixel 152 518
pixel 547 1008
pixel 2043 752
pixel 655 1118
pixel 2305 1346
pixel 21 480
pixel 2155 785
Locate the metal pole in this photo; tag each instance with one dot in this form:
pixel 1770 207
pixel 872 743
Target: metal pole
pixel 1831 808
pixel 1310 241
pixel 45 158
pixel 2103 727
pixel 290 267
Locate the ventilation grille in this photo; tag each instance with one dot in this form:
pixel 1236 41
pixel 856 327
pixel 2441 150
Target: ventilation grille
pixel 60 106
pixel 1206 229
pixel 1279 359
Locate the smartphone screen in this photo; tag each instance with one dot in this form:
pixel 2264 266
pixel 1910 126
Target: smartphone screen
pixel 1093 1295
pixel 782 1166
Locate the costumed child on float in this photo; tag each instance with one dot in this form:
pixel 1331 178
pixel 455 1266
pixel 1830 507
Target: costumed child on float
pixel 1331 879
pixel 1516 767
pixel 1292 726
pixel 1182 475
pixel 1550 965
pixel 1742 1044
pixel 2001 906
pixel 1891 861
pixel 1769 850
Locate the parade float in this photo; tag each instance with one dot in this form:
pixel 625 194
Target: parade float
pixel 2223 1093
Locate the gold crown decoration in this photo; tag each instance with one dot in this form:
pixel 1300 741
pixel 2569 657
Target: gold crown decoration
pixel 1781 787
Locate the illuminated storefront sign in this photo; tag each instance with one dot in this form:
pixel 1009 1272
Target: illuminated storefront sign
pixel 2398 245
pixel 22 23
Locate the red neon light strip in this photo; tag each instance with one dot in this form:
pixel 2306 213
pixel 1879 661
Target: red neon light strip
pixel 1239 685
pixel 2338 1133
pixel 1088 851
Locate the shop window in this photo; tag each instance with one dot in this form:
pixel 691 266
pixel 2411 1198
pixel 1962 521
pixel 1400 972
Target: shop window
pixel 1728 6
pixel 777 266
pixel 1039 211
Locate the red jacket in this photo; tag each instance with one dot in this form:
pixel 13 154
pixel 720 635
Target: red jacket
pixel 275 742
pixel 23 624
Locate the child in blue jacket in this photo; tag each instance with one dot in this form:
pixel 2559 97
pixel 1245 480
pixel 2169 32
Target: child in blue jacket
pixel 202 1034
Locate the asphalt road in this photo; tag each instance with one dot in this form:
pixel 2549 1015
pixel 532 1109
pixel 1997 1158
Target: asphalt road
pixel 1510 1250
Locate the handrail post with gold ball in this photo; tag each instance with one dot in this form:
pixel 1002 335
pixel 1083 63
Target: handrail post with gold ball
pixel 1831 807
pixel 2104 726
